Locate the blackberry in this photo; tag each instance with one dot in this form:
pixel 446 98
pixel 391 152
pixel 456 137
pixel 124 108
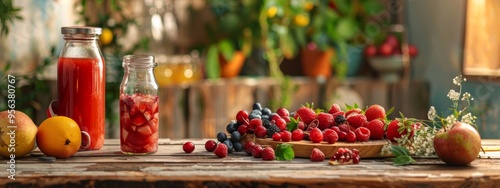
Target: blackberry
pixel 257 106
pixel 235 136
pixel 231 127
pixel 339 119
pixel 266 123
pixel 272 129
pixel 237 146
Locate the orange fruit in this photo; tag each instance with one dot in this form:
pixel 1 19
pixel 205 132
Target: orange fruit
pixel 59 137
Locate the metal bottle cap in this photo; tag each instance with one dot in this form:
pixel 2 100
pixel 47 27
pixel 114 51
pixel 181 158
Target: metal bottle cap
pixel 81 30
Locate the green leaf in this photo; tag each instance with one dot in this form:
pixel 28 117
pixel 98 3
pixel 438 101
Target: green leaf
pixel 213 67
pixel 346 28
pixel 348 107
pixel 292 125
pixel 403 160
pixel 389 112
pixel 284 152
pixel 399 151
pixel 226 49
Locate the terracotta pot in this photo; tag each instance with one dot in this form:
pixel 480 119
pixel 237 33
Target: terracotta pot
pixel 317 63
pixel 231 68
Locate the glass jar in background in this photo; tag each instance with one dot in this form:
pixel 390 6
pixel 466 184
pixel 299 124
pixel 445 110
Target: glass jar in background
pixel 139 106
pixel 178 69
pixel 81 84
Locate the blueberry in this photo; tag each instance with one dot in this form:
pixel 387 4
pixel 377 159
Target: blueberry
pixel 235 136
pixel 256 112
pixel 253 116
pixel 237 146
pixel 229 145
pixel 231 127
pixel 221 136
pixel 257 106
pixel 266 111
pixel 265 117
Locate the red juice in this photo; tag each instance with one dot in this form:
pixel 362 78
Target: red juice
pixel 81 95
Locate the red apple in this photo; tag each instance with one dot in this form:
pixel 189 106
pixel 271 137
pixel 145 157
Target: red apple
pixel 370 51
pixel 412 50
pixel 459 145
pixel 385 49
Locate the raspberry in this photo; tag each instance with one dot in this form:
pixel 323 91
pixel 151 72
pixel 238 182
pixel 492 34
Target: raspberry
pixel 267 154
pixel 260 132
pixel 351 137
pixel 357 120
pixel 325 132
pixel 254 123
pixel 286 136
pixel 344 127
pixel 297 135
pixel 317 155
pixel 188 147
pixel 248 147
pixel 257 151
pixel 316 136
pixel 325 120
pixel 242 116
pixel 221 150
pixel 362 134
pixel 331 137
pixel 210 145
pixel 336 129
pixel 301 125
pixel 376 128
pixel 282 112
pixel 334 109
pixel 375 112
pixel 276 136
pixel 286 118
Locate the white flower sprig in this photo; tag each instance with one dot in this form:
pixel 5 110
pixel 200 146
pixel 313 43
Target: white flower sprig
pixel 422 144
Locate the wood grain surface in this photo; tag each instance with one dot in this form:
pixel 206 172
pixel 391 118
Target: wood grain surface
pixel 171 167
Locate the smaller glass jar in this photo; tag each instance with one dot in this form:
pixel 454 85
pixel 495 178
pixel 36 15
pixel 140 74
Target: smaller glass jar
pixel 139 106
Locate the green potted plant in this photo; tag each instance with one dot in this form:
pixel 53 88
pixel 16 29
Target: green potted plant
pixel 232 36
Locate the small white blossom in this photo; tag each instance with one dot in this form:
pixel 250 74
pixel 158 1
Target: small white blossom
pixel 466 96
pixel 458 80
pixel 450 120
pixel 432 113
pixel 469 118
pixel 453 95
pixel 386 149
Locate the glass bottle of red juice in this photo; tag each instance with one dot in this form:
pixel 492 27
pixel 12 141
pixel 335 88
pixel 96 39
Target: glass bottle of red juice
pixel 139 106
pixel 81 84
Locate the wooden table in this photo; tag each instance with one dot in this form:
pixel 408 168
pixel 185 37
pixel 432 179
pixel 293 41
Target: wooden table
pixel 171 167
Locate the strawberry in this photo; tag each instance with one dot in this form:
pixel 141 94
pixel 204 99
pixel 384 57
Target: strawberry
pixel 357 120
pixel 351 137
pixel 317 155
pixel 325 120
pixel 316 136
pixel 334 109
pixel 376 128
pixel 352 112
pixel 362 134
pixel 307 115
pixel 393 130
pixel 221 150
pixel 375 112
pixel 268 154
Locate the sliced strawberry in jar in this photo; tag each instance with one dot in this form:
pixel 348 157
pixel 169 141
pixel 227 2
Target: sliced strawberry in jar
pixel 125 118
pixel 124 134
pixel 145 130
pixel 137 139
pixel 153 139
pixel 126 148
pixel 153 124
pixel 153 107
pixel 151 148
pixel 138 120
pixel 147 115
